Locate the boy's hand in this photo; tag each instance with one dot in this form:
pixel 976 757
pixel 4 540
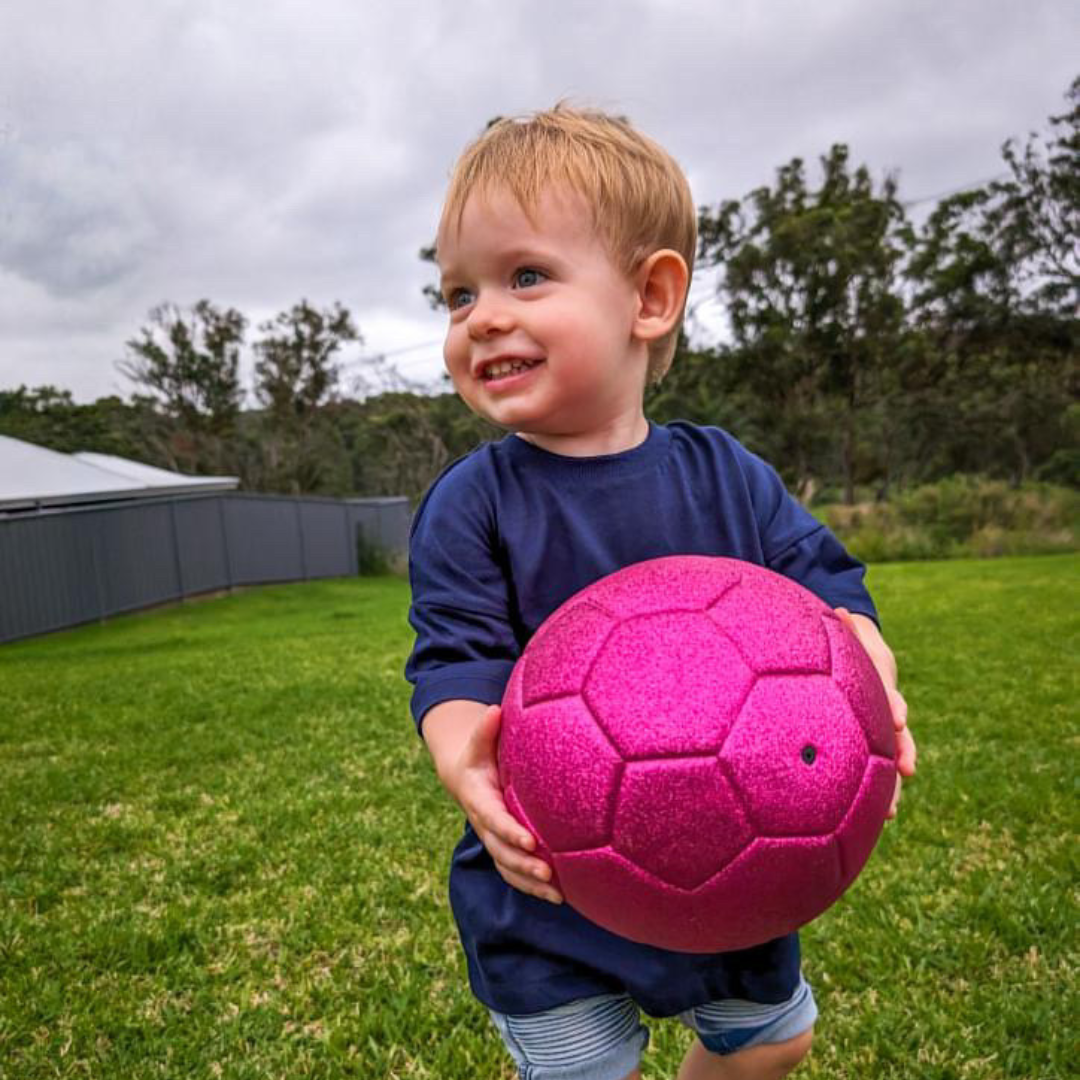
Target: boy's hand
pixel 472 778
pixel 868 635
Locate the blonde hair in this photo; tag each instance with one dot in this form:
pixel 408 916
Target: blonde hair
pixel 638 195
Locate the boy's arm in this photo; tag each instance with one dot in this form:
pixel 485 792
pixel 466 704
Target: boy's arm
pixel 868 635
pixel 462 737
pixel 464 653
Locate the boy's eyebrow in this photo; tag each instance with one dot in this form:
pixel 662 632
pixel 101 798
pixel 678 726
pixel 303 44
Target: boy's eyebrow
pixel 524 253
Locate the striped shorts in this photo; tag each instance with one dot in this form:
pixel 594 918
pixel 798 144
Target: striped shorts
pixel 602 1038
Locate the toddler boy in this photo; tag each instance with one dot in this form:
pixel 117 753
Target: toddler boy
pixel 565 247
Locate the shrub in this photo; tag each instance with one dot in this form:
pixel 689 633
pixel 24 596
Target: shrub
pixel 372 560
pixel 961 516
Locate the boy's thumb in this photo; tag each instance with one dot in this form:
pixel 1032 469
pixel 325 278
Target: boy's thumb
pixel 487 734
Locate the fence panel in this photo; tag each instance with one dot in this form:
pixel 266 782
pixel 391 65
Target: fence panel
pixel 329 543
pixel 264 540
pixel 394 521
pixel 136 550
pixel 384 523
pixel 64 567
pixel 200 540
pixel 49 578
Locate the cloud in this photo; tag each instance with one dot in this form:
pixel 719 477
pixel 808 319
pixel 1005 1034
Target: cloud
pixel 255 155
pixel 72 219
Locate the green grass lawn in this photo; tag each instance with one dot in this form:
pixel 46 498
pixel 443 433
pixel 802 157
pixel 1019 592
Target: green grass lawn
pixel 223 851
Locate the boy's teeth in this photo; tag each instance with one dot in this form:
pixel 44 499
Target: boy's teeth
pixel 505 367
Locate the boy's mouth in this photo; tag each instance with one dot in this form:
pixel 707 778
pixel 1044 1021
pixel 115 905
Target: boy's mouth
pixel 504 369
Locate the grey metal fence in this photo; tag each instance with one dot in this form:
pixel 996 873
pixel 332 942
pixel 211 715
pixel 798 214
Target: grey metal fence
pixel 65 567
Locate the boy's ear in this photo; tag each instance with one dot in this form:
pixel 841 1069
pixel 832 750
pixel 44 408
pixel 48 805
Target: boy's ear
pixel 661 282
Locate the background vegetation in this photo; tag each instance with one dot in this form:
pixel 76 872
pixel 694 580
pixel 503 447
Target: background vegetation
pixel 869 353
pixel 239 870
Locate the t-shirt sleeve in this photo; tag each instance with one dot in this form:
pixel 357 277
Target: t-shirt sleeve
pixel 797 545
pixel 465 645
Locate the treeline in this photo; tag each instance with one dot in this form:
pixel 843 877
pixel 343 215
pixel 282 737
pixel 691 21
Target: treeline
pixel 869 351
pixel 866 353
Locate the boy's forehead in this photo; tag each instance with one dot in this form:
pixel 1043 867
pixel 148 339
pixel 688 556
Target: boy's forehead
pixel 480 208
pixel 558 213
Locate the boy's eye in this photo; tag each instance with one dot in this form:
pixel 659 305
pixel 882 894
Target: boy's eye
pixel 528 276
pixel 458 298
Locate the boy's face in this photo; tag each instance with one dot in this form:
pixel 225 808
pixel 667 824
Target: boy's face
pixel 541 319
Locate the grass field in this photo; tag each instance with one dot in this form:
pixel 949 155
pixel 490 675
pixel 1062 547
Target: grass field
pixel 223 851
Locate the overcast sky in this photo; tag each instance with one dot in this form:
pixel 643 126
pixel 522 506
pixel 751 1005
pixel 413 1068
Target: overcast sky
pixel 257 153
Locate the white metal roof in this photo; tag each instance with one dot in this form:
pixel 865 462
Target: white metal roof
pixel 151 476
pixel 32 476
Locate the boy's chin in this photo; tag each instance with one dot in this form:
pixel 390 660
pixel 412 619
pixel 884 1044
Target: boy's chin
pixel 484 415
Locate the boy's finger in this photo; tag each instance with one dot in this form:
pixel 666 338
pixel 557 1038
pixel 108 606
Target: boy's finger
pixel 895 800
pixel 515 858
pixel 496 824
pixel 487 811
pixel 496 820
pixel 509 829
pixel 485 736
pixel 898 704
pixel 527 885
pixel 906 753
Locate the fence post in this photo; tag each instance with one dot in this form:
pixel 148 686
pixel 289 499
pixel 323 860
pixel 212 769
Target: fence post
pixel 177 559
pixel 300 534
pixel 350 541
pixel 95 558
pixel 225 541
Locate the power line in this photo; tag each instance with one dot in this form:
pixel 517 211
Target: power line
pixel 421 360
pixel 970 186
pixel 411 348
pixel 383 354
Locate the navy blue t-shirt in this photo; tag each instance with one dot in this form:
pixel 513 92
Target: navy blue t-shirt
pixel 500 540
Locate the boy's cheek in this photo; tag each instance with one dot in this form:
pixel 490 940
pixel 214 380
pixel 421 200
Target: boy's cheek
pixel 456 362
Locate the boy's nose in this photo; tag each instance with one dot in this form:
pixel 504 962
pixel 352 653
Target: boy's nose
pixel 488 316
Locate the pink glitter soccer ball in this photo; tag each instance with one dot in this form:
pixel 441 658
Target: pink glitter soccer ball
pixel 703 751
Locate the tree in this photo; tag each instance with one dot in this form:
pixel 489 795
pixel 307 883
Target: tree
pixel 399 442
pixel 1009 247
pixel 189 363
pixel 996 283
pixel 1036 214
pixel 432 293
pixel 811 280
pixel 295 378
pixel 48 416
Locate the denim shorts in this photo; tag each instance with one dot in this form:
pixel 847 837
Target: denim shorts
pixel 602 1038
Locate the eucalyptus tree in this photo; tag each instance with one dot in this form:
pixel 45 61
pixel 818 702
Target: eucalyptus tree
pixel 188 362
pixel 297 380
pixel 995 276
pixel 811 281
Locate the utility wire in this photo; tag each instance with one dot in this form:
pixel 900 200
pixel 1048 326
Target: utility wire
pixel 411 348
pixel 970 186
pixel 383 354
